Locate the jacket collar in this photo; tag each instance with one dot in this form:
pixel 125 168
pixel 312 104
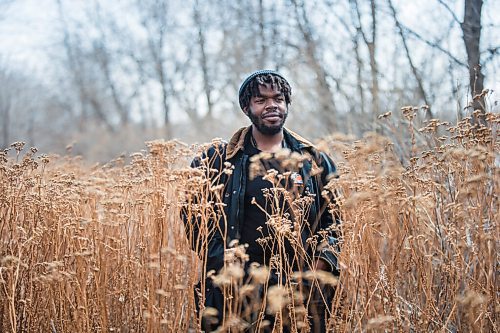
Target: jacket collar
pixel 237 142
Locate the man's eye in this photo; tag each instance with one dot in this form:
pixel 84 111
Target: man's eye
pixel 280 99
pixel 259 101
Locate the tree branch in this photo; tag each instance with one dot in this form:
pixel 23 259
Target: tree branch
pixel 455 18
pixel 435 45
pixel 414 70
pixel 354 5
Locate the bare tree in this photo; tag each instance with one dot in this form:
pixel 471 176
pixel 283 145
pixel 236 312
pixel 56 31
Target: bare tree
pixel 146 62
pixel 26 104
pixel 108 59
pixel 78 72
pixel 155 18
pixel 471 28
pixel 262 35
pixel 207 84
pixel 327 105
pixel 414 70
pixel 371 44
pixel 102 58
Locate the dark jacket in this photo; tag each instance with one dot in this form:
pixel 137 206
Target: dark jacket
pixel 316 171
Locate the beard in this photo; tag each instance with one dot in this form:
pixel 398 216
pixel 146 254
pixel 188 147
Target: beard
pixel 267 129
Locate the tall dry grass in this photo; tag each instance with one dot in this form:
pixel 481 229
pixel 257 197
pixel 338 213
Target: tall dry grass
pixel 102 249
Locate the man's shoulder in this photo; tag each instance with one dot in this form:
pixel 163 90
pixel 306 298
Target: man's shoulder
pixel 303 144
pixel 210 153
pixel 299 140
pixel 216 147
pixel 319 157
pixel 216 150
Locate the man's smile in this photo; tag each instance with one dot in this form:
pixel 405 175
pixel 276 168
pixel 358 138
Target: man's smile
pixel 273 116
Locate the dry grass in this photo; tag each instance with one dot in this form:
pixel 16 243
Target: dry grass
pixel 102 248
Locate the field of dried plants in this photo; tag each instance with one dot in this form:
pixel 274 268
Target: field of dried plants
pixel 101 248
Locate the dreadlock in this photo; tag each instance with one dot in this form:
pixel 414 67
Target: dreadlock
pixel 276 82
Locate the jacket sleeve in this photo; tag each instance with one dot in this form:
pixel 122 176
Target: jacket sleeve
pixel 198 212
pixel 330 219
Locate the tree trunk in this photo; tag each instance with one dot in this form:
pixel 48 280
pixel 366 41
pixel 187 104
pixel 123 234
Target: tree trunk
pixel 471 28
pixel 371 45
pixel 207 86
pixel 262 35
pixel 373 64
pixel 359 74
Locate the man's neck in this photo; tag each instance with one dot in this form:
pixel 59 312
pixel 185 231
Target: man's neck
pixel 268 143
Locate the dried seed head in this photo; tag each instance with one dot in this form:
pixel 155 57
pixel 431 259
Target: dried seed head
pixel 210 312
pixel 260 274
pixel 277 299
pixel 379 322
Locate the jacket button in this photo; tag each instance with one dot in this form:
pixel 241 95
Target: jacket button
pixel 234 192
pixel 232 227
pixel 227 195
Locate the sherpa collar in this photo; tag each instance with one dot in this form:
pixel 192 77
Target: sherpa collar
pixel 237 142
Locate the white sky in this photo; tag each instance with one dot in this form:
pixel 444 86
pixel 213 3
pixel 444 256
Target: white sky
pixel 25 31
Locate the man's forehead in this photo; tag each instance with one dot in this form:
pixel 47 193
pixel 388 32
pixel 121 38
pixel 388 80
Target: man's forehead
pixel 268 89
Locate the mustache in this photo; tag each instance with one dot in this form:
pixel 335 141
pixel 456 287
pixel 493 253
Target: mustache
pixel 274 113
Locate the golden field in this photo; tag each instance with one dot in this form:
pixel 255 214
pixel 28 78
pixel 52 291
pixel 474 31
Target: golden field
pixel 101 248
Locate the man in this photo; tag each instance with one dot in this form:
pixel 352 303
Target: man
pixel 280 210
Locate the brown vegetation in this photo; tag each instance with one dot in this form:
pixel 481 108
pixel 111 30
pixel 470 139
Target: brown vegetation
pixel 102 248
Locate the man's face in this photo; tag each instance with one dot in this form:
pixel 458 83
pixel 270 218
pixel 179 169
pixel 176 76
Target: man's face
pixel 268 110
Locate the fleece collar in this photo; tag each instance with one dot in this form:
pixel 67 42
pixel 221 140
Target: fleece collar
pixel 237 142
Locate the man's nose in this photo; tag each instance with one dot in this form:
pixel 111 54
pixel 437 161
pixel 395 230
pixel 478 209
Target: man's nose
pixel 271 103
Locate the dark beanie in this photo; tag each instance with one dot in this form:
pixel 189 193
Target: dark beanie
pixel 250 78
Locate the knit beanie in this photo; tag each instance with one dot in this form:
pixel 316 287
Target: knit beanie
pixel 251 76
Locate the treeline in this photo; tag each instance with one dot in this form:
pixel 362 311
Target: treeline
pixel 125 72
